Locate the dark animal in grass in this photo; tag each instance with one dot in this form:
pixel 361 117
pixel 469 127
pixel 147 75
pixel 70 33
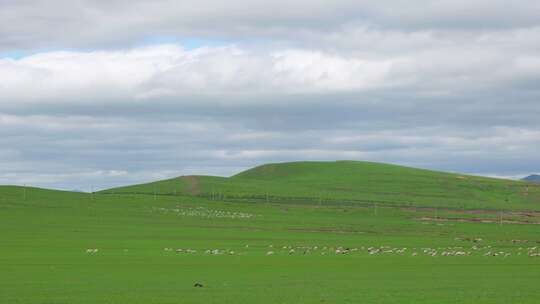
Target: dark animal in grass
pixel 199 285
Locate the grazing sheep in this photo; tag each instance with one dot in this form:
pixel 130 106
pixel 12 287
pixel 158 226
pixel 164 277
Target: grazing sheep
pixel 373 250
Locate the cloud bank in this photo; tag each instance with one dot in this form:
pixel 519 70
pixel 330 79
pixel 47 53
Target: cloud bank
pixel 119 95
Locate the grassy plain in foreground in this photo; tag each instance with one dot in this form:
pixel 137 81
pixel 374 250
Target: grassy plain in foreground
pixel 152 247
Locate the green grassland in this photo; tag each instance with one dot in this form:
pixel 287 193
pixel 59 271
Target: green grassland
pixel 343 232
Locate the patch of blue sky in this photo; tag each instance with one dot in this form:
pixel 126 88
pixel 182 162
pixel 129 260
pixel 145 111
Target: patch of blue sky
pixel 21 54
pixel 186 43
pixel 17 54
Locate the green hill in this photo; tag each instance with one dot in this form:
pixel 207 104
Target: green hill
pixel 351 182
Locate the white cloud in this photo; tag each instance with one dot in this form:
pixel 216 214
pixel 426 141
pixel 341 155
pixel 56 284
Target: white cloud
pixel 167 70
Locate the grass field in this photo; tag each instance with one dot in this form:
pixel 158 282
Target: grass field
pixel 342 232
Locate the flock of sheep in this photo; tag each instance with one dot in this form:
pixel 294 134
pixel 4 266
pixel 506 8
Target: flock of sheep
pixel 205 212
pixel 487 251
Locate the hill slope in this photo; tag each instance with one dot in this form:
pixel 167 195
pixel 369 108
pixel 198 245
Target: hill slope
pixel 351 182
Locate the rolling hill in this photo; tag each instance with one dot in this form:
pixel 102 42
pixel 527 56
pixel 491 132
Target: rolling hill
pixel 350 182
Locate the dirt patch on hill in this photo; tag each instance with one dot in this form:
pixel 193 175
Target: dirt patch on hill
pixel 476 220
pixel 192 183
pixel 454 211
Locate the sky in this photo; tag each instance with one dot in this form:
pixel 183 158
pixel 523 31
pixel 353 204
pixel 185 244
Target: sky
pixel 96 94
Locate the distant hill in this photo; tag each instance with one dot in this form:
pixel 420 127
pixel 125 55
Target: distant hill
pixel 535 178
pixel 348 182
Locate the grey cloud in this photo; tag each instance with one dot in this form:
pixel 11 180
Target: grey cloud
pixel 45 24
pixel 79 155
